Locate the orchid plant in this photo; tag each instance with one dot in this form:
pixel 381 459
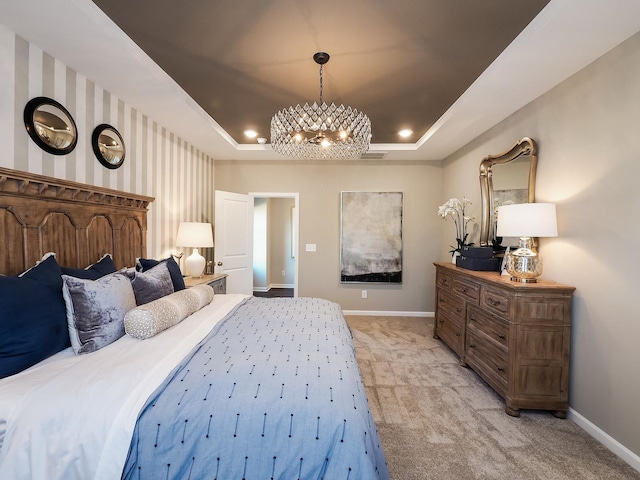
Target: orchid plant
pixel 456 209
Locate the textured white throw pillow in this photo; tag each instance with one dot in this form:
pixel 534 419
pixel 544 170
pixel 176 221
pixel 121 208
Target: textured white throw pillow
pixel 148 320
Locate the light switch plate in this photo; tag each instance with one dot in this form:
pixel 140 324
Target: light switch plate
pixel 310 247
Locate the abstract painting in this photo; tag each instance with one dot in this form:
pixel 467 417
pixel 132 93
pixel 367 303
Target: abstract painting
pixel 371 237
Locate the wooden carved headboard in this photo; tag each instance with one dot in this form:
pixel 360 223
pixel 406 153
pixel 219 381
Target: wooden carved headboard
pixel 78 222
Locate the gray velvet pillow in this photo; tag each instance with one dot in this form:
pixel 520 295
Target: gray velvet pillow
pixel 151 284
pixel 96 310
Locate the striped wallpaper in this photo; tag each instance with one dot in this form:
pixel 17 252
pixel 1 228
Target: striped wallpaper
pixel 158 163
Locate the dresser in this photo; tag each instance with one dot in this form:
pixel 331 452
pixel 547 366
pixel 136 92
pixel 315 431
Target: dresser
pixel 516 336
pixel 218 281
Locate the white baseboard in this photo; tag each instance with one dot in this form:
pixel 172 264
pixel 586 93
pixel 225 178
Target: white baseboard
pixel 386 313
pixel 607 440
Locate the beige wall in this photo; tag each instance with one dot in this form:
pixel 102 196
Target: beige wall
pixel 319 185
pixel 587 130
pixel 272 224
pixel 158 163
pixel 279 244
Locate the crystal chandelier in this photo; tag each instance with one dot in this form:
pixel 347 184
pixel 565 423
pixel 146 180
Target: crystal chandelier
pixel 320 131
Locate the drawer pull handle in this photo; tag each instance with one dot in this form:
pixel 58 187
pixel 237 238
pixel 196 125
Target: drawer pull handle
pixel 462 289
pixel 494 302
pixel 457 334
pixel 472 346
pixel 472 319
pixel 458 310
pixel 501 335
pixel 501 369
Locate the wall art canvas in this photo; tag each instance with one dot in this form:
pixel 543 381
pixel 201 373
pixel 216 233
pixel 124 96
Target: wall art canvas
pixel 371 237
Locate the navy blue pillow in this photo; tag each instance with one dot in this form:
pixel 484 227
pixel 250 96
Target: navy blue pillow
pixel 33 321
pixel 102 267
pixel 174 270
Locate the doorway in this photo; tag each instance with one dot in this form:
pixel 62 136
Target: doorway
pixel 275 244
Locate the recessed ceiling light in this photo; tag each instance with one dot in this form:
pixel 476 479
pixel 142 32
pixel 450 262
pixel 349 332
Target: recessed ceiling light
pixel 251 133
pixel 405 133
pixel 262 140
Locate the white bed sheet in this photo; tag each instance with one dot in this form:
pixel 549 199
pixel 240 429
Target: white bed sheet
pixel 13 389
pixel 72 417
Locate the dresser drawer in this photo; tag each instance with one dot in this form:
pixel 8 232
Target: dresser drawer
pixel 450 331
pixel 469 290
pixel 443 281
pixel 492 363
pixel 495 300
pixel 451 304
pixel 493 328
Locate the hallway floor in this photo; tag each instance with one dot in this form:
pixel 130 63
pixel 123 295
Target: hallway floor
pixel 275 292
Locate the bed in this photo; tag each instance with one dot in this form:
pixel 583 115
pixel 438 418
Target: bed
pixel 241 387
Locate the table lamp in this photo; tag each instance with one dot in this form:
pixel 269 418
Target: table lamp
pixel 196 235
pixel 526 220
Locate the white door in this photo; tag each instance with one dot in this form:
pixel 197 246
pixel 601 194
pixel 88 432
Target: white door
pixel 233 252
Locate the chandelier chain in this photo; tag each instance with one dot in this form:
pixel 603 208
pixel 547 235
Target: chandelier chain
pixel 321 70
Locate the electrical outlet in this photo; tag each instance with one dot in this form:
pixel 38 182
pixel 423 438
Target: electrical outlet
pixel 364 294
pixel 283 273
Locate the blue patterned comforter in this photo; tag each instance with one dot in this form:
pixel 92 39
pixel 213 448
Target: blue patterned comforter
pixel 274 392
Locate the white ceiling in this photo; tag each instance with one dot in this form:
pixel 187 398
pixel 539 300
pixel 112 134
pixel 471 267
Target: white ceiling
pixel 565 37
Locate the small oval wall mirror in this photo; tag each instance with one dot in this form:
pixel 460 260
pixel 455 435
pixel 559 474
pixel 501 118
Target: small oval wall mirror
pixel 108 146
pixel 50 126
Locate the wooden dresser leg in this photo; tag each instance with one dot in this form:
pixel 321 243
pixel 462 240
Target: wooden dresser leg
pixel 514 412
pixel 559 413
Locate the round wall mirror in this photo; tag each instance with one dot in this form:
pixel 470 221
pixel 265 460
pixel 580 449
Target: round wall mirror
pixel 108 146
pixel 50 126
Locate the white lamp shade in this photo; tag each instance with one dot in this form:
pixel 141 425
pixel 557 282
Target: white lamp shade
pixel 194 234
pixel 527 220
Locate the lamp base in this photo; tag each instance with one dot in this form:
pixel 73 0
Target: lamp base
pixel 524 264
pixel 195 264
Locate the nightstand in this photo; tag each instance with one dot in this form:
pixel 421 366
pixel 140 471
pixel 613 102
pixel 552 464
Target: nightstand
pixel 218 281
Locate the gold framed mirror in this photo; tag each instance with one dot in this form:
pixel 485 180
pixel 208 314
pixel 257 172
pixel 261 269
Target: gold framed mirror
pixel 50 126
pixel 506 178
pixel 108 146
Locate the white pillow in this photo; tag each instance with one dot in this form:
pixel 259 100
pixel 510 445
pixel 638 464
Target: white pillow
pixel 147 320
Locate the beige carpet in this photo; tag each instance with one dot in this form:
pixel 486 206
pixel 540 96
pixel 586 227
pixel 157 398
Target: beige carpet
pixel 438 420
